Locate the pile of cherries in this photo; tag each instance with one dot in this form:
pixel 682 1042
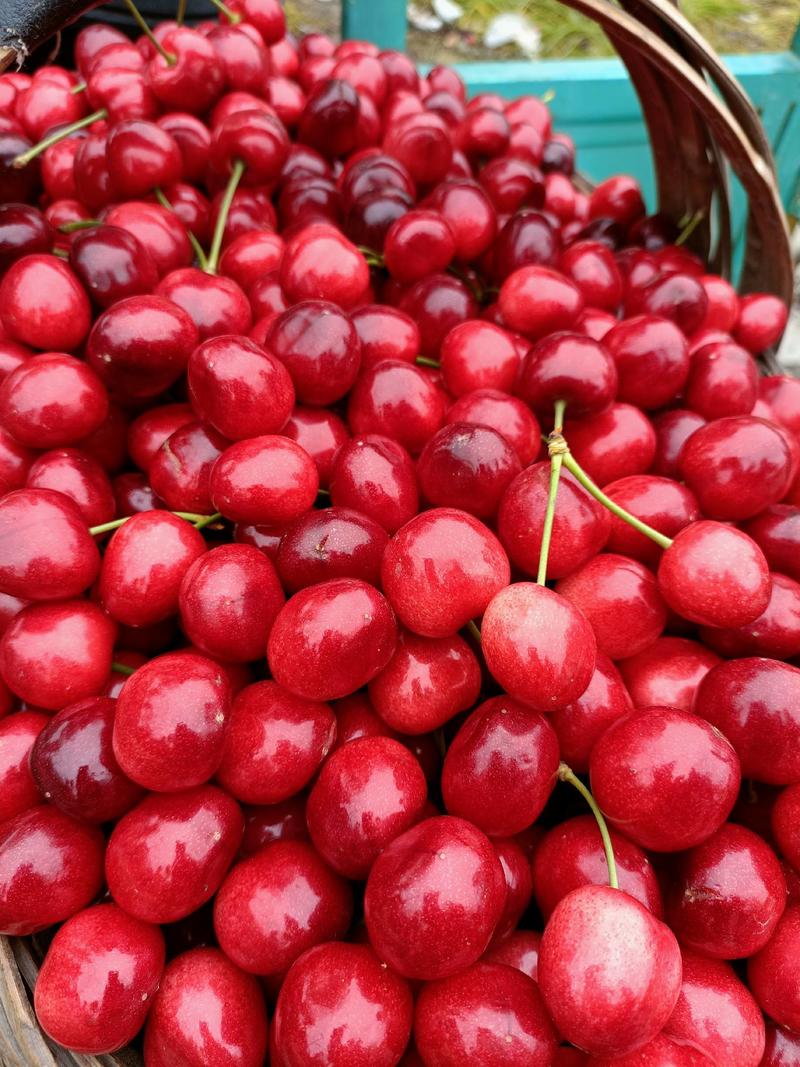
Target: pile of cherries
pixel 399 578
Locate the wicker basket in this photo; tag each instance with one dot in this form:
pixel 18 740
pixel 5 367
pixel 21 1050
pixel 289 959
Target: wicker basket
pixel 695 133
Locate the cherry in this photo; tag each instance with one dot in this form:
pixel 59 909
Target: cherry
pixel 416 244
pixel 727 895
pixel 776 633
pixel 723 380
pixel 491 1012
pixel 784 824
pixel 512 182
pixel 148 431
pixel 782 1047
pixel 215 305
pixel 427 681
pixel 437 303
pixel 12 355
pixel 528 238
pixel 519 884
pixel 56 653
pixel 569 368
pixel 340 1003
pixel 441 570
pixel 319 346
pixel 502 740
pixel 571 855
pixel 369 792
pixel 50 867
pixel 536 301
pixel 619 198
pixel 333 543
pixel 18 789
pixel 762 319
pixel 660 1052
pixel 579 725
pixel 662 802
pixel 250 256
pixel 169 728
pixel 78 476
pixel 168 855
pixel 265 479
pixel 591 266
pixel 617 443
pixel 608 1003
pixel 752 701
pixel 385 333
pixel 180 472
pixel 203 983
pixel 398 400
pixel 52 400
pixel 285 821
pixel 714 575
pixel 467 466
pixel 23 231
pixel 479 355
pixel 506 414
pixel 652 360
pixel 783 396
pixel 673 429
pixel 716 1014
pixel 433 898
pixel 275 743
pixel 94 988
pixel 661 503
pixel 422 144
pixel 667 673
pixel 320 264
pixel 193 80
pixel 769 972
pixel 519 949
pixel 538 647
pixel 329 122
pixel 160 231
pixel 276 904
pixel 675 296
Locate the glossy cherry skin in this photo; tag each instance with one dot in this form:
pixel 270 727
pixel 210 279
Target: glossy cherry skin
pixel 52 400
pixel 620 598
pixel 673 429
pixel 782 1047
pixel 468 467
pixel 18 789
pixel 321 433
pixel 617 443
pixel 374 475
pixel 660 1052
pixel 216 305
pixel 501 741
pixel 776 633
pixel 727 895
pixel 97 980
pixel 229 598
pixel 267 479
pixel 206 1013
pixel 580 525
pixel 73 763
pixel 169 729
pixel 417 244
pixel 569 367
pixel 489 1013
pixel 398 400
pixel 515 861
pixel 714 575
pixel 427 681
pixel 148 431
pixel 603 1001
pixel 239 388
pixel 50 867
pixel 320 264
pixel 56 653
pixel 437 303
pixel 723 380
pixel 666 778
pixel 339 1006
pixel 536 301
pixel 319 347
pixel 785 825
pixel 275 743
pixel 716 1014
pixel 782 394
pixel 43 304
pixel 385 333
pixel 753 702
pixel 592 268
pixel 278 903
pixel 317 652
pixel 143 567
pixel 652 360
pixel 160 231
pixel 667 673
pixel 433 898
pixel 479 355
pixel 180 472
pixel 169 854
pixel 141 345
pixel 538 647
pixel 771 975
pixel 762 318
pixel 579 724
pixel 519 949
pixel 571 855
pixel 23 231
pixel 662 503
pixel 368 793
pixel 15 462
pixel 330 543
pixel 441 570
pixel 285 821
pixel 75 474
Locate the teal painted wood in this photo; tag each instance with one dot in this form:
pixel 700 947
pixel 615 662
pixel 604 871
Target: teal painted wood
pixel 381 21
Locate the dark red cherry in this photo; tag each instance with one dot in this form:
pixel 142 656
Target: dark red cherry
pixel 267 479
pixel 468 467
pixel 329 121
pixel 180 472
pixel 529 238
pixel 571 368
pixel 662 503
pixel 319 347
pixel 23 231
pixel 437 303
pixel 592 267
pixel 320 433
pixel 18 733
pixel 679 297
pixel 580 724
pixel 15 463
pixel 785 826
pixel 112 264
pixel 331 543
pixel 512 182
pixel 423 144
pixel 652 360
pixel 385 333
pixel 160 231
pixel 141 156
pixel 667 673
pixel 506 414
pixel 673 429
pixel 255 138
pixel 776 633
pixel 417 244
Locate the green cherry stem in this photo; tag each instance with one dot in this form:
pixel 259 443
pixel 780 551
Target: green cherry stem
pixel 556 461
pixel 24 158
pixel 424 361
pixel 206 520
pixel 79 224
pixel 232 16
pixel 168 57
pixel 199 521
pixel 197 248
pixel 122 668
pixel 474 629
pixel 180 14
pixel 79 88
pixel 581 476
pixel 566 774
pixel 224 208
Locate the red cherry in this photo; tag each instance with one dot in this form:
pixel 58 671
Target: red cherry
pixel 367 794
pixel 662 503
pixel 667 673
pixel 331 543
pixel 18 789
pixel 180 472
pixel 776 633
pixel 275 743
pixel 50 867
pixel 265 479
pixel 322 434
pixel 591 266
pixel 275 905
pixel 204 983
pixel 193 80
pixel 519 950
pixel 536 301
pixel 652 360
pixel 147 433
pixel 617 443
pixel 664 803
pixel 538 647
pixel 52 400
pixel 501 741
pixel 437 303
pixel 580 724
pixel 723 380
pixel 769 972
pixel 618 198
pixel 676 296
pixel 385 333
pixel 417 244
pixel 433 898
pixel 160 231
pixel 479 355
pixel 169 854
pixel 112 264
pixel 399 401
pixel 23 231
pixel 95 985
pixel 319 347
pixel 529 238
pixel 512 182
pixel 320 264
pixel 314 649
pixel 519 885
pixel 782 1047
pixel 714 575
pixel 165 739
pixel 441 570
pixel 785 826
pixel 214 304
pixel 426 683
pixel 603 1001
pixel 673 429
pixel 250 256
pixel 285 821
pixel 423 144
pixel 762 319
pixel 660 1052
pixel 468 467
pixel 375 476
pixel 490 1013
pixel 141 156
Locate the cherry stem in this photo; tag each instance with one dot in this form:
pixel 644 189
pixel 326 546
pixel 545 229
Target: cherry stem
pixel 580 475
pixel 323 492
pixel 224 208
pixel 373 258
pixel 122 668
pixel 79 224
pixel 168 57
pixel 60 253
pixel 197 248
pixel 556 461
pixel 199 521
pixel 232 16
pixel 180 14
pixel 424 361
pixel 474 629
pixel 690 227
pixel 79 88
pixel 566 774
pixel 24 158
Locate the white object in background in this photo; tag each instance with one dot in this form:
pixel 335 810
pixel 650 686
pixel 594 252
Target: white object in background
pixel 447 10
pixel 423 20
pixel 513 28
